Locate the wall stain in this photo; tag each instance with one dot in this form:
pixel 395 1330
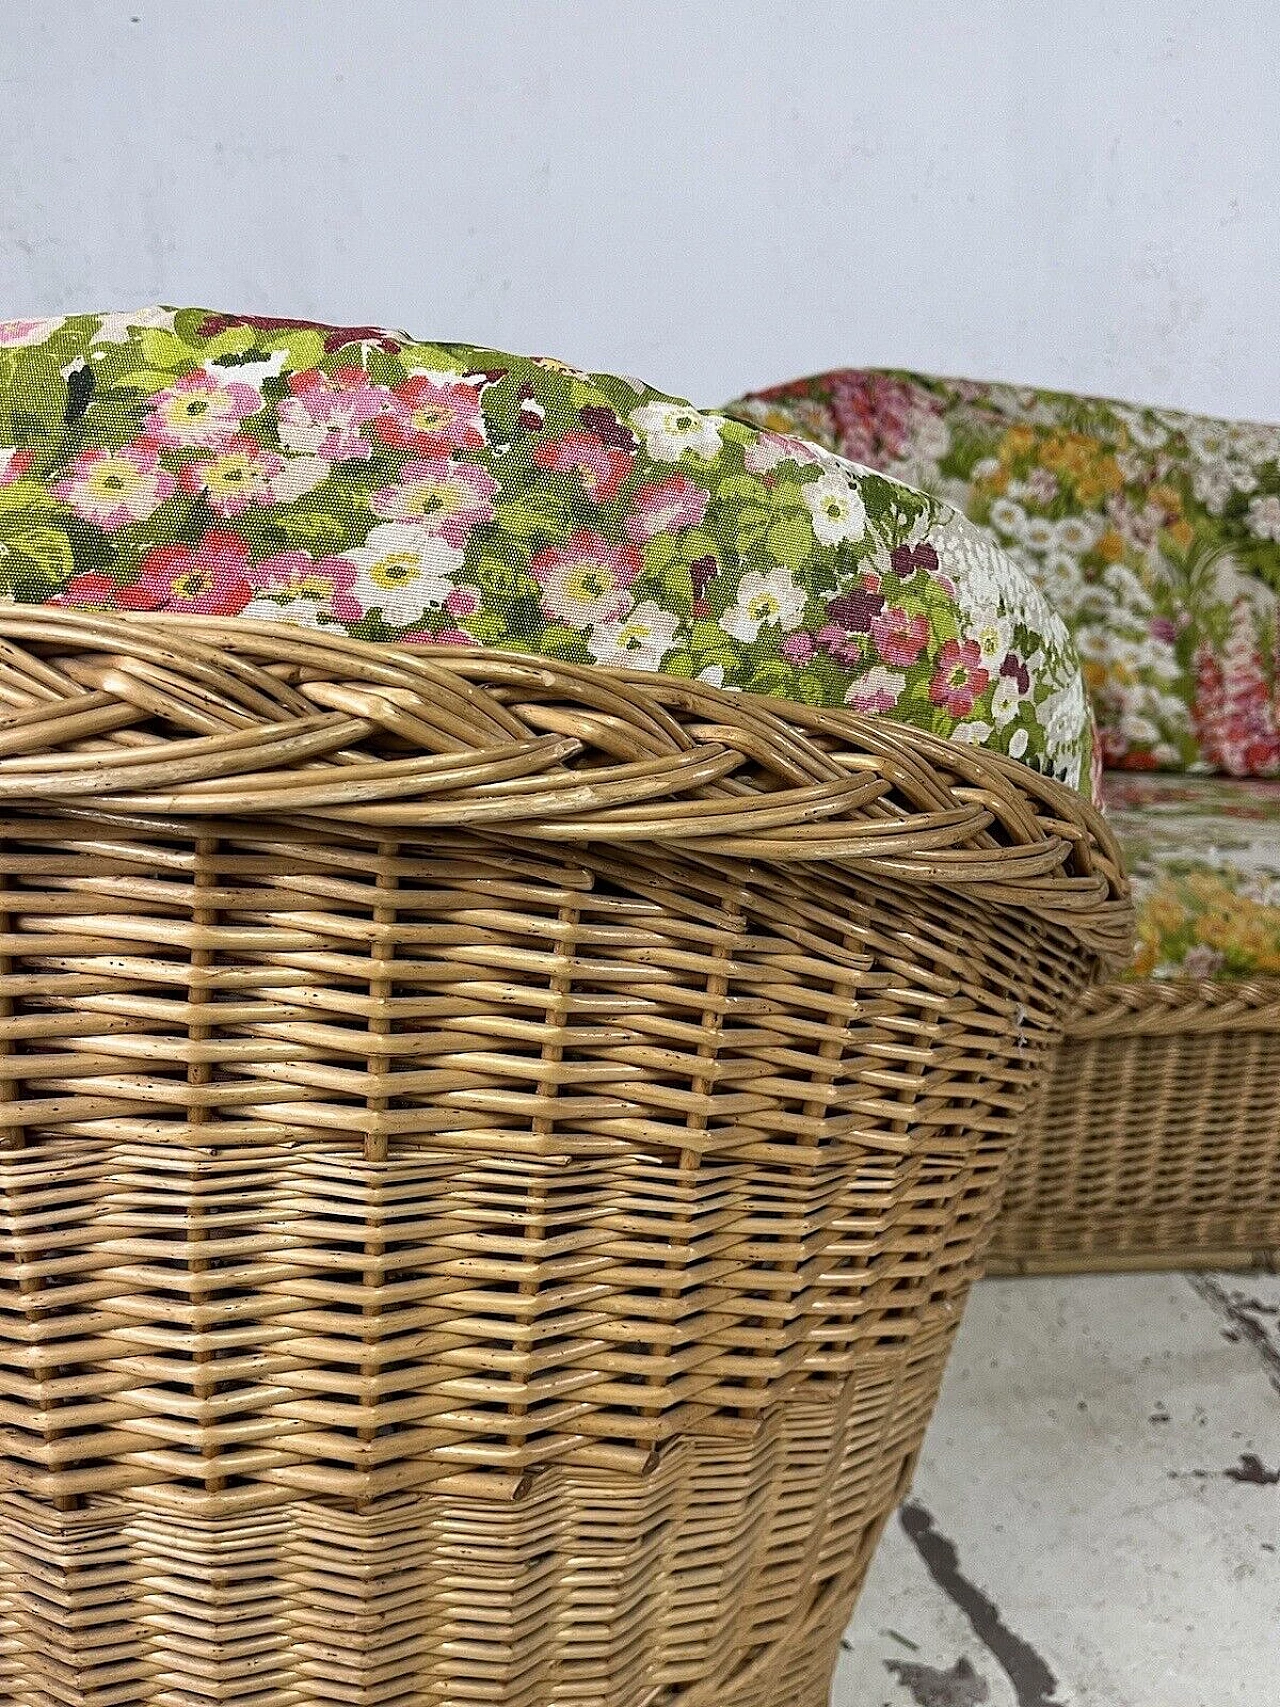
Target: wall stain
pixel 959 1687
pixel 1034 1685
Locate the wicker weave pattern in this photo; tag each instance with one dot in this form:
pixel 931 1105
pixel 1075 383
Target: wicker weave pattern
pixel 1157 1143
pixel 731 1559
pixel 495 1154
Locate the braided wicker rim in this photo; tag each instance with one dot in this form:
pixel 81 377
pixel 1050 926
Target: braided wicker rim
pixel 1159 1008
pixel 369 739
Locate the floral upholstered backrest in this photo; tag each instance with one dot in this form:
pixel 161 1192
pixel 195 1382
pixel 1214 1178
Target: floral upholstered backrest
pixel 1156 534
pixel 359 479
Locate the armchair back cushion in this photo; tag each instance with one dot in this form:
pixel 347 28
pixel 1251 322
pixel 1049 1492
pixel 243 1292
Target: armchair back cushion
pixel 360 479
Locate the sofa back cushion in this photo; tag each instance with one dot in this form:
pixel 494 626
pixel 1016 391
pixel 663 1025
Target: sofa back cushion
pixel 358 478
pixel 1155 533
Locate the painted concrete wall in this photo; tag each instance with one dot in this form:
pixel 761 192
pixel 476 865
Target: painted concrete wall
pixel 713 195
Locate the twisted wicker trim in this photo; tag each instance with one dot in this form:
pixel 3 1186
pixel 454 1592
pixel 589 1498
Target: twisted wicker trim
pixel 1159 1008
pixel 161 716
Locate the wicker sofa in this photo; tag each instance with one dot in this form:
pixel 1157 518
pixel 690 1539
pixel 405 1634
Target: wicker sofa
pixel 497 1140
pixel 1157 534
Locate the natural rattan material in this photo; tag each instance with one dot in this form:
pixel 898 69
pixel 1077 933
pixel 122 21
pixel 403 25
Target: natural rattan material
pixel 495 1155
pixel 1157 1142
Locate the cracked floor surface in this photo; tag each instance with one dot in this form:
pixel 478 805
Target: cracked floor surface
pixel 1096 1517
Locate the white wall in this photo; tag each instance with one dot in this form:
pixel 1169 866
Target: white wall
pixel 712 195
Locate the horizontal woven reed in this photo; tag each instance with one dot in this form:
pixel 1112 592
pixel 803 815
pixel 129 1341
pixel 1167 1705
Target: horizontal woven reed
pixel 1157 1142
pixel 494 1156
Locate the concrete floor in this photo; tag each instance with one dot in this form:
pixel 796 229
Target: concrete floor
pixel 1096 1518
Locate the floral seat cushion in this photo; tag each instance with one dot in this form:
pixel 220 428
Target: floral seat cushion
pixel 1204 857
pixel 357 478
pixel 1155 533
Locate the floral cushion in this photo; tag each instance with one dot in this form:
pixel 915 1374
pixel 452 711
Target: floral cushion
pixel 355 478
pixel 1204 856
pixel 1156 534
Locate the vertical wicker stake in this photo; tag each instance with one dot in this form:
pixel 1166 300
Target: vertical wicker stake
pixel 199 1076
pixel 381 990
pixel 501 1239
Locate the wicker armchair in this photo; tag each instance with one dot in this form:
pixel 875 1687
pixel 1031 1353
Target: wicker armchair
pixel 496 1143
pixel 496 1153
pixel 1157 534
